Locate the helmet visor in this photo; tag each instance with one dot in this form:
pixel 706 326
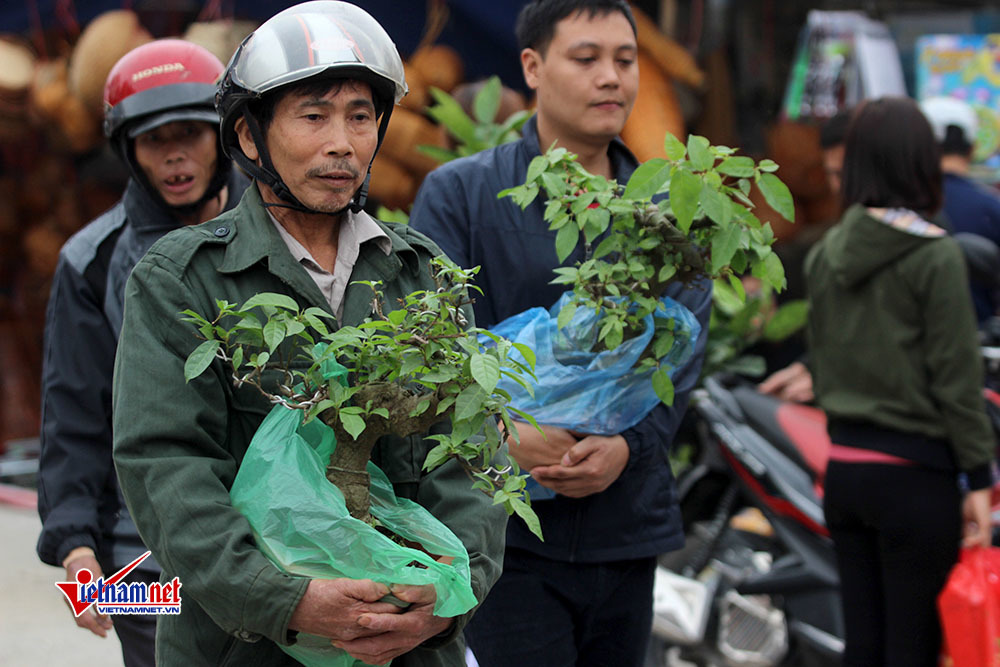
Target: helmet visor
pixel 158 120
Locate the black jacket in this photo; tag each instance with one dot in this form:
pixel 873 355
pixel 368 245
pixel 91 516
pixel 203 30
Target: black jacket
pixel 457 207
pixel 79 501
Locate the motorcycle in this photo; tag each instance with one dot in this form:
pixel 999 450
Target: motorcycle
pixel 756 584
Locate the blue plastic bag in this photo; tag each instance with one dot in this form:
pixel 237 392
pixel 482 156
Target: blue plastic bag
pixel 585 391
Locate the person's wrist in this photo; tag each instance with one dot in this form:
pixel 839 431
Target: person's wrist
pixel 78 552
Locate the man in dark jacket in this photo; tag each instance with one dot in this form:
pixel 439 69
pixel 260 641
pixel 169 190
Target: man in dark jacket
pixel 971 207
pixel 584 595
pixel 165 128
pixel 304 104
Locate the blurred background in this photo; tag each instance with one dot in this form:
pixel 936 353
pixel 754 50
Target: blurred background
pixel 762 75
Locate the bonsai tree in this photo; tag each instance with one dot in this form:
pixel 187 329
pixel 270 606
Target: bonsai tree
pixel 408 368
pixel 705 228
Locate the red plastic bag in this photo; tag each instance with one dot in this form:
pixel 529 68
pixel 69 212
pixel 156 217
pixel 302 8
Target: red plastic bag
pixel 970 609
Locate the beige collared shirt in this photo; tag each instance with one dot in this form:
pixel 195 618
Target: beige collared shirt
pixel 354 230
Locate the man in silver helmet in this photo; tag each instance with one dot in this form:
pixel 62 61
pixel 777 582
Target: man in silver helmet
pixel 304 105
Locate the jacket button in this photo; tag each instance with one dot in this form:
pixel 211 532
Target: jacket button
pixel 221 231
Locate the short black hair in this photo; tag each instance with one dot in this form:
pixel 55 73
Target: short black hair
pixel 956 143
pixel 834 130
pixel 891 158
pixel 536 24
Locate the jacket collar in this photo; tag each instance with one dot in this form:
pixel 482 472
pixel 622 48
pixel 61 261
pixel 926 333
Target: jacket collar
pixel 253 239
pixel 623 162
pixel 147 213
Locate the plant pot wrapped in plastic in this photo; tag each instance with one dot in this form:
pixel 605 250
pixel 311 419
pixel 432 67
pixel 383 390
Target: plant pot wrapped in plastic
pixel 302 525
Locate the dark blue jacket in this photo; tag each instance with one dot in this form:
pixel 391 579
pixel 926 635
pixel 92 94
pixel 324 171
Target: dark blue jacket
pixel 975 209
pixel 79 501
pixel 457 207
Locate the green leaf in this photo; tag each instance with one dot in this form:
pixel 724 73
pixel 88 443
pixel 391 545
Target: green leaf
pixel 685 188
pixel 726 298
pixel 523 510
pixel 485 371
pixel 470 402
pixel 663 344
pixel 771 271
pixel 788 319
pixel 274 334
pixel 699 154
pixel 421 408
pixel 353 424
pixel 238 357
pixel 566 241
pixel 750 365
pixel 438 455
pixel 487 101
pixel 448 112
pixel 663 386
pixel 725 243
pixel 381 412
pixel 555 185
pixel 538 165
pixel 200 359
pixel 777 195
pixel 737 166
pixel 271 299
pixel 737 286
pixel 675 148
pixel 767 165
pixel 648 179
pixel 667 271
pixel 566 315
pixel 437 153
pixel 527 353
pixel 717 206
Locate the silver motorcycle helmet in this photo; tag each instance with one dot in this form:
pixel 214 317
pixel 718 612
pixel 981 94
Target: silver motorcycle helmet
pixel 323 38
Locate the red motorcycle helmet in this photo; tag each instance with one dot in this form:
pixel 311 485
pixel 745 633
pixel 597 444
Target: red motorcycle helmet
pixel 158 83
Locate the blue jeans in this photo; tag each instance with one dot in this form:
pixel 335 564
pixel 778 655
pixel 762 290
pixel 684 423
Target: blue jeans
pixel 556 614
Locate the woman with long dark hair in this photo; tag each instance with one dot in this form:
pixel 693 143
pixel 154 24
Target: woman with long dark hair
pixel 896 365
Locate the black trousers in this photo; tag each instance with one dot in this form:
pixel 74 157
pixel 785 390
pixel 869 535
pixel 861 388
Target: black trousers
pixel 549 613
pixel 896 530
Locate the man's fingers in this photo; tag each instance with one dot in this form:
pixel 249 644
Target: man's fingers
pixel 579 452
pixel 365 590
pixel 88 620
pixel 425 594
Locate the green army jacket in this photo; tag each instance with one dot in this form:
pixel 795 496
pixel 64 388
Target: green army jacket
pixel 179 445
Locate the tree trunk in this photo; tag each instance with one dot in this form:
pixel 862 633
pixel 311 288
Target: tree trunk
pixel 348 463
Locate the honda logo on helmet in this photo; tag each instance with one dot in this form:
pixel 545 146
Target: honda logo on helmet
pixel 158 69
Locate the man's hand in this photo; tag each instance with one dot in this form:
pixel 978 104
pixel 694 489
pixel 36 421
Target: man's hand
pixel 976 524
pixel 588 467
pixel 392 635
pixel 792 383
pixel 99 624
pixel 332 608
pixel 539 449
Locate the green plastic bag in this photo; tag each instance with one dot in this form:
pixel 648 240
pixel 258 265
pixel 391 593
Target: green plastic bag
pixel 302 525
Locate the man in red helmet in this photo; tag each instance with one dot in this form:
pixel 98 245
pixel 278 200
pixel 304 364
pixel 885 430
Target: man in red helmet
pixel 161 121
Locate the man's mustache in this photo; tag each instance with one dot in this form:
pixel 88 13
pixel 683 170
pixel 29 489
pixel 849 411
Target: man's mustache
pixel 331 167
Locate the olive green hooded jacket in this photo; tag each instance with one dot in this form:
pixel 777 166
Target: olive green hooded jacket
pixel 179 445
pixel 892 335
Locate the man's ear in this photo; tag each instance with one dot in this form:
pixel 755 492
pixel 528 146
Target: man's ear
pixel 531 61
pixel 246 139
